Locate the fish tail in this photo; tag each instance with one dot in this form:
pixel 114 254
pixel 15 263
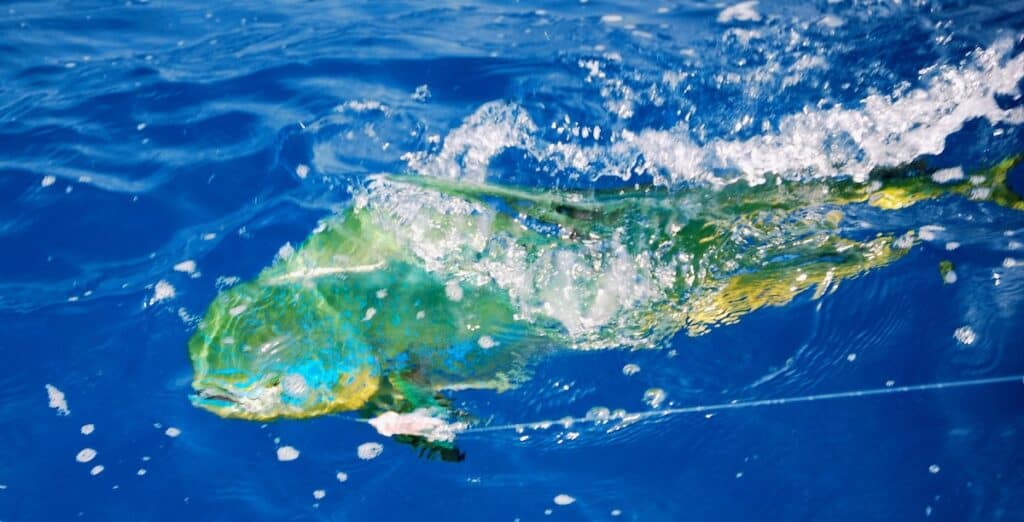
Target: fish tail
pixel 992 184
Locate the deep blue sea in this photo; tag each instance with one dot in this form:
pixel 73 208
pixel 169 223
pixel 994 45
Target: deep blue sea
pixel 155 153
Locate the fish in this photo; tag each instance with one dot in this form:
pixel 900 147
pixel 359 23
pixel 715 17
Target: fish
pixel 427 285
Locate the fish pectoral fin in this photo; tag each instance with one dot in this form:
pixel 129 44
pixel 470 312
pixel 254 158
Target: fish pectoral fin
pixel 414 394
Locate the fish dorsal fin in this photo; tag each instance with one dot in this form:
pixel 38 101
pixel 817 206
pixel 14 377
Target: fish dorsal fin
pixel 572 209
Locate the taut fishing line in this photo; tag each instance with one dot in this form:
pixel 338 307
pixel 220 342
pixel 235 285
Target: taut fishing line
pixel 757 403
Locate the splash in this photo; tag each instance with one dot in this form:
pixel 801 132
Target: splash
pixel 892 128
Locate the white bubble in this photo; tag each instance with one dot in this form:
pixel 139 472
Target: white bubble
pixel 654 397
pixel 851 357
pixel 235 311
pixel 966 335
pixel 950 277
pixel 86 455
pixel 611 18
pixel 172 432
pixel 630 369
pixel 382 293
pixel 598 414
pixel 287 453
pixel 616 512
pixel 930 232
pixel 162 291
pixel 319 494
pixel 48 180
pixel 188 266
pixel 486 342
pixel 57 400
pixel 370 312
pixel 453 290
pixel 564 500
pixel 342 476
pixel 302 171
pixel 952 245
pixel 96 470
pixel 141 472
pixel 933 469
pixel 422 93
pixel 369 450
pixel 87 429
pixel 286 250
pixel 947 175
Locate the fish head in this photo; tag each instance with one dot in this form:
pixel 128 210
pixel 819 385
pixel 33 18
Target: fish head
pixel 267 351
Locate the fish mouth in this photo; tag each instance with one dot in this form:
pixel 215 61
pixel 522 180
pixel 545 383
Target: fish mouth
pixel 215 399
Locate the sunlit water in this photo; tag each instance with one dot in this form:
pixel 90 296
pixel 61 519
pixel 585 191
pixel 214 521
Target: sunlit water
pixel 156 154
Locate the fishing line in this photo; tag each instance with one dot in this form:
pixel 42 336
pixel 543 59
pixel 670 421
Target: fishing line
pixel 757 403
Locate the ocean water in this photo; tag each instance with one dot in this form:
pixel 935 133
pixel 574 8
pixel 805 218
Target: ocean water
pixel 154 154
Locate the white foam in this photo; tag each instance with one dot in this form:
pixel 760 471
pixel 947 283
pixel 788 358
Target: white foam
pixel 172 432
pixel 362 106
pixel 47 181
pixel 57 400
pixel 342 476
pixel 630 369
pixel 96 470
pixel 468 149
pixel 319 494
pixel 87 429
pixel 881 129
pixel 741 12
pixel 302 170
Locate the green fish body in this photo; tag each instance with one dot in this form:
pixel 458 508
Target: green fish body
pixel 425 284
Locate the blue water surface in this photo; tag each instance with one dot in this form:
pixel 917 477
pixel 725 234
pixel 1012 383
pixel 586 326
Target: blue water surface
pixel 137 136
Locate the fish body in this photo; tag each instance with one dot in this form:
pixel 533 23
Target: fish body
pixel 427 284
